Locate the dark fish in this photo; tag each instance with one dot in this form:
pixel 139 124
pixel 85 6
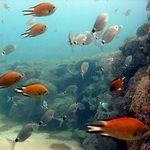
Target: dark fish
pixel 24 134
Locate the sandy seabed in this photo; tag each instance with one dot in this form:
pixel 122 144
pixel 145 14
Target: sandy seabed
pixel 38 141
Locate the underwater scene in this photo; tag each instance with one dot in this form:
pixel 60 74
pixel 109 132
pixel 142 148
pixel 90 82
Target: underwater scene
pixel 75 75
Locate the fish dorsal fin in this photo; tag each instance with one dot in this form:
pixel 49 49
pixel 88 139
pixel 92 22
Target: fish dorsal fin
pixel 116 79
pixel 35 6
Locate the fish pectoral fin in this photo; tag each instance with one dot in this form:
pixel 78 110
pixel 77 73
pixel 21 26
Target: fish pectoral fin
pixel 105 134
pixel 24 94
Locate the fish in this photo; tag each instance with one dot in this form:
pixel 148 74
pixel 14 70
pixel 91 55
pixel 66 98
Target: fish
pixel 123 128
pixel 148 6
pixel 8 49
pixel 42 9
pixel 116 10
pixel 84 68
pixel 100 23
pixel 24 134
pixel 80 39
pixel 109 34
pixel 9 79
pixel 128 61
pixel 117 84
pixel 71 40
pixel 98 35
pixel 48 115
pixel 72 110
pixel 31 21
pixel 128 12
pixel 5 5
pixel 36 90
pixel 35 30
pixel 71 89
pixel 89 38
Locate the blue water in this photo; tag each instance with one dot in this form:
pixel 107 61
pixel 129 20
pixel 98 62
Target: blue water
pixel 71 15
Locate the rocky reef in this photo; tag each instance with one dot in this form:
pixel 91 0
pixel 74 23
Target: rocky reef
pixel 66 86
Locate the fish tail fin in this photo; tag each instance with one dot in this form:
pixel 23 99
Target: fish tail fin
pixel 25 35
pixel 102 44
pixel 19 90
pixel 95 128
pixel 61 122
pixel 3 53
pixel 12 144
pixel 28 10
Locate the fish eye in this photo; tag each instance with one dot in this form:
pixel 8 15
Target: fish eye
pixel 54 7
pixel 17 139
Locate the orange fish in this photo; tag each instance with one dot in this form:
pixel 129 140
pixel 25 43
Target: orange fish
pixel 10 78
pixel 33 90
pixel 117 84
pixel 124 128
pixel 43 9
pixel 35 30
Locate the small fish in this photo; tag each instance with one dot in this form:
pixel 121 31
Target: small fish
pixel 5 5
pixel 124 128
pixel 128 61
pixel 33 90
pixel 35 30
pixel 10 79
pixel 105 106
pixel 24 134
pixel 31 21
pixel 100 22
pixel 42 9
pixel 8 49
pixel 116 10
pixel 48 115
pixel 71 89
pixel 72 111
pixel 148 6
pixel 44 105
pixel 117 84
pixel 109 34
pixel 89 38
pixel 128 12
pixel 71 38
pixel 80 39
pixel 84 68
pixel 98 34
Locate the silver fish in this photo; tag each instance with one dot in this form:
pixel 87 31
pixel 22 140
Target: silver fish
pixel 48 115
pixel 8 49
pixel 100 22
pixel 72 110
pixel 84 68
pixel 24 134
pixel 110 34
pixel 89 38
